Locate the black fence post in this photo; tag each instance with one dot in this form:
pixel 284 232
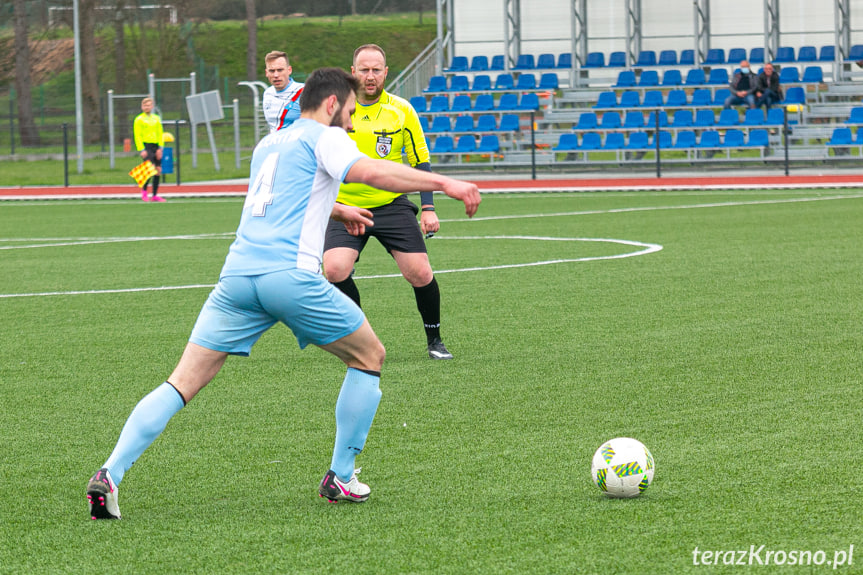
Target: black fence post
pixel 532 147
pixel 785 137
pixel 656 141
pixel 65 154
pixel 177 140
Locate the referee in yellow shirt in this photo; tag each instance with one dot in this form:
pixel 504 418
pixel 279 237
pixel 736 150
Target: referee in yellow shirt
pixel 148 141
pixel 385 126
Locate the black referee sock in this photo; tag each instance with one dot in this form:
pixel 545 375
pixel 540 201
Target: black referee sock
pixel 349 288
pixel 428 304
pixel 156 184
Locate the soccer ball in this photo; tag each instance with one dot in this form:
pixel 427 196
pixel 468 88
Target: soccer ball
pixel 622 467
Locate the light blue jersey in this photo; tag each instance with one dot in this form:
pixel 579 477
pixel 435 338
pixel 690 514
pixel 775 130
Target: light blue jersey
pixel 294 182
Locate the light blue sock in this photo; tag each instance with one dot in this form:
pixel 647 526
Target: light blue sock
pixel 355 409
pixel 144 425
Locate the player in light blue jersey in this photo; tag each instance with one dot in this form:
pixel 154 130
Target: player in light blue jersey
pixel 281 101
pixel 272 274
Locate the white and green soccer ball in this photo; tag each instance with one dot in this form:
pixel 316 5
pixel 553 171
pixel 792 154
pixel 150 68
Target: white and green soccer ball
pixel 622 467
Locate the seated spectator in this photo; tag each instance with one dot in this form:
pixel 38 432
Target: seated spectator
pixel 742 87
pixel 767 90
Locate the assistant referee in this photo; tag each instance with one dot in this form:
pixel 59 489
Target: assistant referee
pixel 385 126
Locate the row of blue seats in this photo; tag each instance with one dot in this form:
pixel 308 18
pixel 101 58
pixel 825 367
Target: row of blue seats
pixel 717 76
pixel 844 137
pixel 678 97
pixel 482 103
pixel 482 83
pixel 466 144
pixel 704 118
pixel 466 124
pixel 688 139
pixel 524 62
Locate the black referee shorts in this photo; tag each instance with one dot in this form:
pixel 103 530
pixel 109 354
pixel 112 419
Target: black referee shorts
pixel 151 150
pixel 396 228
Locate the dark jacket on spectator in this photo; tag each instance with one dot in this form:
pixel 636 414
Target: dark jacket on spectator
pixel 742 81
pixel 766 82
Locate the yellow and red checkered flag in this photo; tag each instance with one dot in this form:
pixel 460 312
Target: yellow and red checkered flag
pixel 143 172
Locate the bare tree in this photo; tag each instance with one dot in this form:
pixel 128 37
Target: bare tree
pixel 26 122
pixel 89 71
pixel 252 49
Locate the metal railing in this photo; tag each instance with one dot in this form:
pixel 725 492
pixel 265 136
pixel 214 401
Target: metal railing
pixel 415 77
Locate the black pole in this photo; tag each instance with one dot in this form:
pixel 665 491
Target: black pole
pixel 12 125
pixel 177 140
pixel 532 148
pixel 658 163
pixel 785 134
pixel 65 154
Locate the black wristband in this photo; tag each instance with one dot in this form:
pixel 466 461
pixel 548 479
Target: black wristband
pixel 428 209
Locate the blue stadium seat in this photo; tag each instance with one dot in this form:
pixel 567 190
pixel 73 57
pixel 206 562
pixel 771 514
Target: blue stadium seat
pixel 443 145
pixel 481 82
pixel 625 79
pixel 784 55
pixel 509 123
pixel 483 103
pixel 718 76
pixel 486 123
pixel 729 117
pixel 758 138
pixel 685 139
pixel 595 60
pixel 637 141
pixel 855 54
pixel 587 121
pixel 564 61
pixel 754 117
pixel 695 77
pixel 827 53
pixel 479 64
pixel 545 61
pixel 548 81
pixel 701 97
pixel 856 116
pixel 682 119
pixel 463 123
pixel 789 75
pixel 652 99
pixel 439 104
pixel 458 64
pixel 590 141
pixel 629 99
pixel 734 139
pixel 529 101
pixel 489 144
pixel 665 140
pixel 807 54
pixel 461 103
pixel 687 57
pixel 606 100
pixel 775 116
pixel 651 119
pixel 440 124
pixel 720 95
pixel 526 82
pixel 424 123
pixel 567 142
pixel 465 145
pixel 841 137
pixel 675 98
pixel 714 57
pixel 614 141
pixel 709 139
pixel 736 55
pixel 525 62
pixel 504 82
pixel 617 60
pixel 704 118
pixel 459 83
pixel 672 78
pixel 610 121
pixel 795 95
pixel 508 101
pixel 648 78
pixel 419 104
pixel 813 75
pixel 436 84
pixel 668 58
pixel 497 63
pixel 646 58
pixel 756 56
pixel 634 120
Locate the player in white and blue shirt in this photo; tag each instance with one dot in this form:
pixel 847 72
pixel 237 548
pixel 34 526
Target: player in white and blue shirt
pixel 272 274
pixel 281 101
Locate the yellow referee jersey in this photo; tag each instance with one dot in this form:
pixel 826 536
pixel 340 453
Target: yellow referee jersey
pixel 147 129
pixel 384 130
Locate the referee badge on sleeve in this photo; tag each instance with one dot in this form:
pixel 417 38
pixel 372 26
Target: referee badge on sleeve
pixel 384 146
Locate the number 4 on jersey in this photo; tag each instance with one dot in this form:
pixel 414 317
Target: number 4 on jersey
pixel 260 194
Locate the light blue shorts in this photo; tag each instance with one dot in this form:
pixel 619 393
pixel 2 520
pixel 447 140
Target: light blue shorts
pixel 241 308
